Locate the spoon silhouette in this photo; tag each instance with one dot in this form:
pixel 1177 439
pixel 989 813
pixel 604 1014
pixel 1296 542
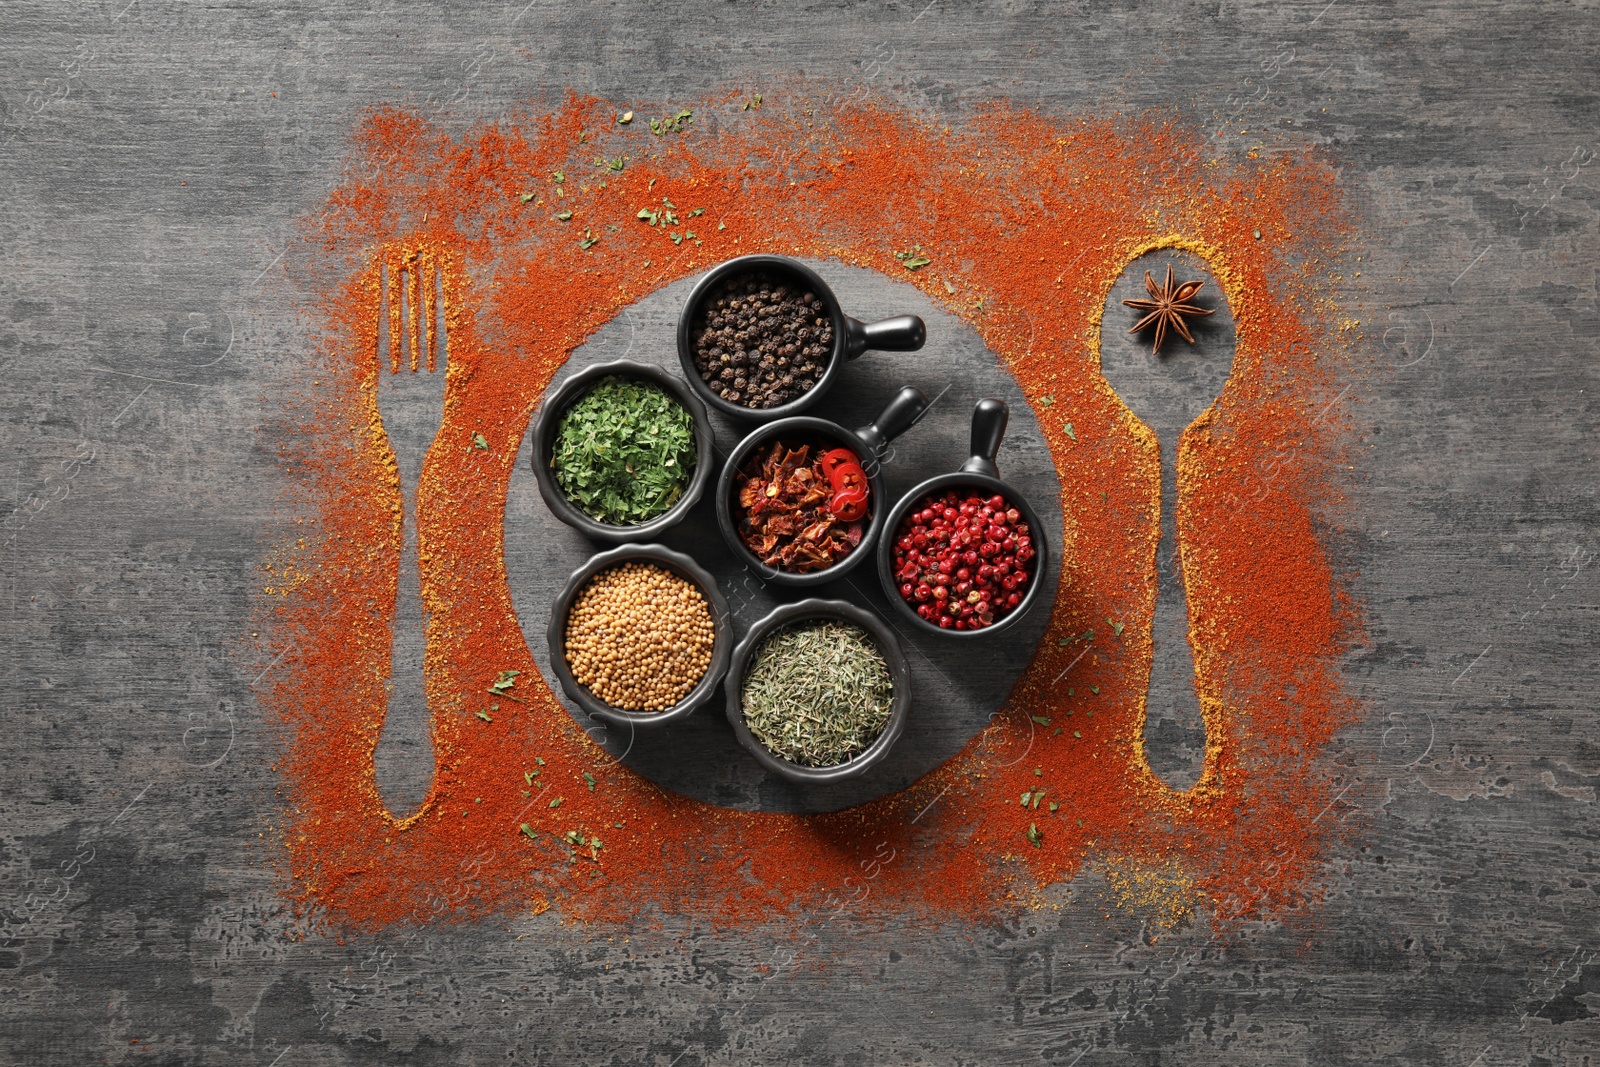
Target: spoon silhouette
pixel 1167 392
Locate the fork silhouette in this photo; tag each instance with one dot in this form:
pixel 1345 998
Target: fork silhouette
pixel 412 353
pixel 1169 393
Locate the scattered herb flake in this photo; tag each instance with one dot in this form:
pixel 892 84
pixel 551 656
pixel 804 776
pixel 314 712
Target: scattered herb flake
pixel 1116 627
pixel 525 197
pixel 1077 735
pixel 1071 432
pixel 527 776
pixel 1046 401
pixel 480 442
pixel 697 212
pixel 1054 805
pixel 556 803
pixel 539 760
pixel 625 118
pixel 1038 772
pixel 1034 836
pixel 529 831
pixel 618 163
pixel 484 715
pixel 912 258
pixel 564 216
pixel 559 178
pixel 589 240
pixel 587 777
pixel 1057 732
pixel 722 225
pixel 506 680
pixel 1095 689
pixel 1042 720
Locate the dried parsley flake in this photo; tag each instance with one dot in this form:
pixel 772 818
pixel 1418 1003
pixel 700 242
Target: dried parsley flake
pixel 624 452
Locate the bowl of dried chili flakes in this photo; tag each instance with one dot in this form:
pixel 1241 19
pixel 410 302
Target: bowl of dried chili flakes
pixel 801 500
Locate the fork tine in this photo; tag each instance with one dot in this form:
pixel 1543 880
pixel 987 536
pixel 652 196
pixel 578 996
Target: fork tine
pixel 430 318
pixel 392 290
pixel 414 294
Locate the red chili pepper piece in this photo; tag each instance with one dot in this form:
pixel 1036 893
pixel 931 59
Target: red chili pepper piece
pixel 835 458
pixel 848 505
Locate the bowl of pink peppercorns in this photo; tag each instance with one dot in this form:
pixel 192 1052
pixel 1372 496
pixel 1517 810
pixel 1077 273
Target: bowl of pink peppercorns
pixel 962 552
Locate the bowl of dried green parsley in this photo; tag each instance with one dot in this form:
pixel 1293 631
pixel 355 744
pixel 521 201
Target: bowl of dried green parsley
pixel 622 450
pixel 818 691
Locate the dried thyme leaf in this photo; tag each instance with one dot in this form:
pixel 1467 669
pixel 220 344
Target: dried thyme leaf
pixel 484 715
pixel 529 831
pixel 523 198
pixel 480 442
pixel 564 216
pixel 1116 627
pixel 1046 401
pixel 1071 432
pixel 1042 720
pixel 624 452
pixel 1033 835
pixel 587 777
pixel 556 803
pixel 818 694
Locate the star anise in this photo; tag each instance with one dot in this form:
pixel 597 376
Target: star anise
pixel 1167 307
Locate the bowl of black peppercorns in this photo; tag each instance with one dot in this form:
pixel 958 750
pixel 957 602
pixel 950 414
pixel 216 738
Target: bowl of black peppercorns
pixel 763 337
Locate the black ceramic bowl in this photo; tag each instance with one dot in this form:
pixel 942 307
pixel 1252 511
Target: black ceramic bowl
pixel 978 472
pixel 851 337
pixel 683 567
pixel 549 421
pixel 899 673
pixel 869 443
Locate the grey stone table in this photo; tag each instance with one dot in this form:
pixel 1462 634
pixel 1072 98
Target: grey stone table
pixel 156 158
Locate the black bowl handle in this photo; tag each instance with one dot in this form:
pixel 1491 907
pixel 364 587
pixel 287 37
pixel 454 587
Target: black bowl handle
pixel 988 429
pixel 903 333
pixel 899 416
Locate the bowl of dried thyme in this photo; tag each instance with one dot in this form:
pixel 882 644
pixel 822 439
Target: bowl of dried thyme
pixel 818 691
pixel 622 451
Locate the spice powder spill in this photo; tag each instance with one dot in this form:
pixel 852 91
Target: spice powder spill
pixel 1023 223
